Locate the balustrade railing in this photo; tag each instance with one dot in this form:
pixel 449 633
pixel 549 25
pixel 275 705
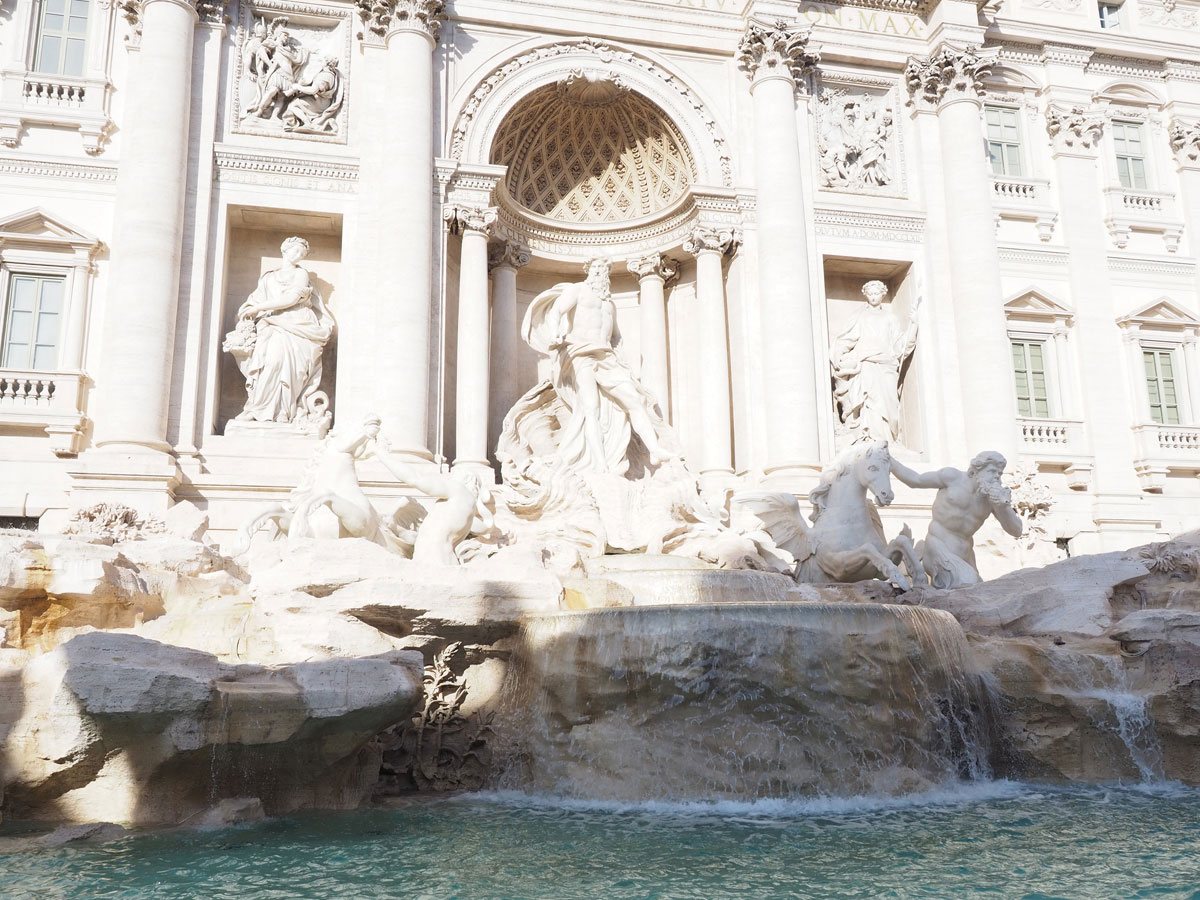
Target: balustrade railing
pixel 41 89
pixel 23 389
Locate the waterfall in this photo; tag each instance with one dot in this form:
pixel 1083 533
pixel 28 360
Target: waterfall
pixel 742 701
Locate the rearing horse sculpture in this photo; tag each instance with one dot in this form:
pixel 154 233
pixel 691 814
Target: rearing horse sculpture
pixel 846 541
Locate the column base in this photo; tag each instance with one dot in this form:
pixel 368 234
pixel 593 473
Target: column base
pixel 131 474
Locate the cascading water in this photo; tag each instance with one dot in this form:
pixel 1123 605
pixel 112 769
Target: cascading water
pixel 742 701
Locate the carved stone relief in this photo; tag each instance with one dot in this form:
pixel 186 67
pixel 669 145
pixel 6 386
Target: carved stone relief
pixel 1073 130
pixel 1166 14
pixel 856 141
pixel 292 71
pixel 1185 141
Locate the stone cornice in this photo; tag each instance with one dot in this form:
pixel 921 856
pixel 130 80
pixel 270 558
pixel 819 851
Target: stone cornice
pixel 951 74
pixel 776 49
pixel 1185 142
pixel 461 217
pixel 712 239
pixel 656 264
pixel 1074 131
pixel 512 254
pixel 384 17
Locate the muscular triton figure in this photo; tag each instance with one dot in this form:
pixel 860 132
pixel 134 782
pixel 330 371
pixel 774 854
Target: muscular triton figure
pixel 964 501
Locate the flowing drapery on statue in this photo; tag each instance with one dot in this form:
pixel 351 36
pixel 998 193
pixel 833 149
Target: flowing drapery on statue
pixel 866 361
pixel 280 336
pixel 591 414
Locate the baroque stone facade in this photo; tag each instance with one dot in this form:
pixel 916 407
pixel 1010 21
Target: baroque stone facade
pixel 1023 189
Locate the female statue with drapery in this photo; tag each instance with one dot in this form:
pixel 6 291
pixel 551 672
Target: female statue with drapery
pixel 281 333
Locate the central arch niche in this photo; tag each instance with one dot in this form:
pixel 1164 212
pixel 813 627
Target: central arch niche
pixel 588 150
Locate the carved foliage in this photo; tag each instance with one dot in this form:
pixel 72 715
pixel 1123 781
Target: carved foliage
pixel 1185 141
pixel 508 253
pixel 439 749
pixel 462 217
pixel 948 74
pixel 854 140
pixel 655 264
pixel 382 16
pixel 773 48
pixel 113 520
pixel 719 239
pixel 1074 128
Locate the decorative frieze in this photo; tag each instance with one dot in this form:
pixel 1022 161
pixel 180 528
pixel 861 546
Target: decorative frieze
pixel 383 16
pixel 948 75
pixel 292 71
pixel 774 49
pixel 853 225
pixel 1066 54
pixel 1166 14
pixel 1185 141
pixel 1074 130
pixel 292 172
pixel 212 11
pixel 855 141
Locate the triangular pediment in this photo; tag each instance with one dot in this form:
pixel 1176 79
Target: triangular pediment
pixel 1036 304
pixel 42 225
pixel 1162 313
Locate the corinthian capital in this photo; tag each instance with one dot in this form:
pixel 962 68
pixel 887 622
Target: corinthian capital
pixel 779 48
pixel 1185 141
pixel 655 264
pixel 463 217
pixel 207 10
pixel 382 17
pixel 1073 130
pixel 949 74
pixel 721 239
pixel 508 253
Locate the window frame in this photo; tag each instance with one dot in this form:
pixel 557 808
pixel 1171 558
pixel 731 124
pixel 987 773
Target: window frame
pixel 65 36
pixel 1155 349
pixel 1026 339
pixel 44 273
pixel 1019 144
pixel 1101 7
pixel 1123 123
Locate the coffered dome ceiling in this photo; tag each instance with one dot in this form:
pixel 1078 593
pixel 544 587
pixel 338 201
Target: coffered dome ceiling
pixel 589 150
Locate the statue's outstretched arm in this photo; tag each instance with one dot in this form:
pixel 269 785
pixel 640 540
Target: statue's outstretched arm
pixel 922 480
pixel 433 484
pixel 1008 518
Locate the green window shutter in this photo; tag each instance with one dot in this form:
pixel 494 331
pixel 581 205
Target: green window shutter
pixel 1029 376
pixel 31 322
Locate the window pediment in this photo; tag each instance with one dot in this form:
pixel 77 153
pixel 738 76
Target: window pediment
pixel 1163 314
pixel 40 227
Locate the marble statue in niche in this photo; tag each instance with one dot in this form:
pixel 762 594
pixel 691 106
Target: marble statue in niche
pixel 853 141
pixel 866 360
pixel 293 88
pixel 963 503
pixel 278 342
pixel 600 417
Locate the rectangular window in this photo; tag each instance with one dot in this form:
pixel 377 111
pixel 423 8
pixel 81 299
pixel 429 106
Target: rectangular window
pixel 1160 382
pixel 1004 140
pixel 1110 15
pixel 62 37
pixel 1131 154
pixel 1029 369
pixel 30 339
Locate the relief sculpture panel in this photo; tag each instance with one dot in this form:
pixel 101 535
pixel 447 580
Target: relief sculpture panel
pixel 857 142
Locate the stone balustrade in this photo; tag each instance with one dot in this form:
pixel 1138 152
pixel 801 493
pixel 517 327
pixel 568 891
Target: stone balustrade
pixel 1130 210
pixel 1011 189
pixel 51 401
pixel 55 91
pixel 1025 199
pixel 1165 449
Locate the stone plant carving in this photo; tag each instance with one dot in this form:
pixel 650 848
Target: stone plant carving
pixel 963 503
pixel 866 360
pixel 846 542
pixel 1185 141
pixel 430 536
pixel 278 342
pixel 275 62
pixel 440 749
pixel 379 16
pixel 949 73
pixel 1171 558
pixel 855 134
pixel 1074 128
pixel 780 46
pixel 1166 14
pixel 115 521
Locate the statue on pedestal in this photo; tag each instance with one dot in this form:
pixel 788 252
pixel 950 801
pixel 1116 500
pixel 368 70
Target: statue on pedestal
pixel 963 503
pixel 281 333
pixel 866 360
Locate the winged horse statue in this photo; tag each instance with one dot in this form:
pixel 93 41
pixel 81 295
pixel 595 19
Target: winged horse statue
pixel 846 541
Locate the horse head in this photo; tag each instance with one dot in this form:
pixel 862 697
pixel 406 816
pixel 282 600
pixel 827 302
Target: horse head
pixel 873 468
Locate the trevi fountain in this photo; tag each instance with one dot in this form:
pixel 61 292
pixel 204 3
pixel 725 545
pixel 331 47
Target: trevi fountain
pixel 625 450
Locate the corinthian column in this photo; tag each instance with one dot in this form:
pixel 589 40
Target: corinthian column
pixel 710 245
pixel 396 206
pixel 134 378
pixel 1185 142
pixel 1108 406
pixel 474 340
pixel 777 59
pixel 504 259
pixel 653 273
pixel 950 82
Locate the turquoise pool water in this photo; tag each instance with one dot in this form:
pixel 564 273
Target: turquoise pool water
pixel 992 840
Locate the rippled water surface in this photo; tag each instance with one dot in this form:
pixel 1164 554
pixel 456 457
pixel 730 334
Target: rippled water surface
pixel 987 841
